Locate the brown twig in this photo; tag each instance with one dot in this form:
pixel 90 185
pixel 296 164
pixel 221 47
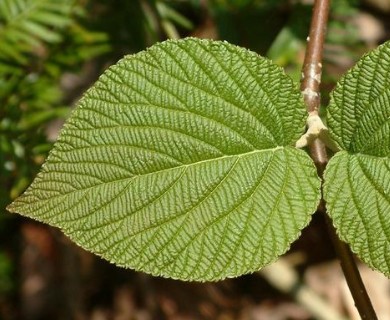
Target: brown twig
pixel 310 86
pixel 352 275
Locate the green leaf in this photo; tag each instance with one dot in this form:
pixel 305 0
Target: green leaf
pixel 26 24
pixel 178 162
pixel 40 31
pixel 51 19
pixel 357 180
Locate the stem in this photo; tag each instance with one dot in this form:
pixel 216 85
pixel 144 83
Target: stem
pixel 312 66
pixel 352 275
pixel 310 86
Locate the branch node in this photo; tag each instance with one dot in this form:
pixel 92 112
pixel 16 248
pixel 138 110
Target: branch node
pixel 315 128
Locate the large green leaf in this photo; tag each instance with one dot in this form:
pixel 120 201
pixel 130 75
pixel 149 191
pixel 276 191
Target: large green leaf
pixel 357 180
pixel 178 162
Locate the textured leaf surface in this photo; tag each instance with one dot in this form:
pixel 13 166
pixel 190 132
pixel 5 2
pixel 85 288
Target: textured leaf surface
pixel 178 163
pixel 357 180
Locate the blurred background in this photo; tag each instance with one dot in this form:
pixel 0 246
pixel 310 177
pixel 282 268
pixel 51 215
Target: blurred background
pixel 51 51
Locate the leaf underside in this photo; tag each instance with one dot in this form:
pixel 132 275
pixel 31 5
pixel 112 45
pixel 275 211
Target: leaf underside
pixel 178 162
pixel 357 180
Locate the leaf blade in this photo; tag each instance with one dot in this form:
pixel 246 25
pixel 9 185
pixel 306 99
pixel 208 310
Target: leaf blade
pixel 171 160
pixel 356 186
pixel 359 114
pixel 357 194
